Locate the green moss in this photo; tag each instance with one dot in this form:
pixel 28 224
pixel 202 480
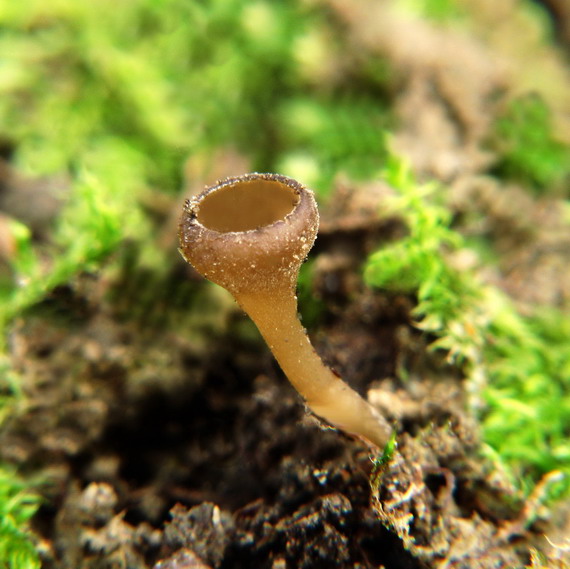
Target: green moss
pixel 17 506
pixel 96 218
pixel 421 261
pixel 17 503
pixel 337 134
pixel 518 367
pixel 381 461
pixel 528 150
pixel 436 10
pixel 528 416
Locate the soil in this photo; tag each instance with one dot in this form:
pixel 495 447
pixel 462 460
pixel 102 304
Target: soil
pixel 163 435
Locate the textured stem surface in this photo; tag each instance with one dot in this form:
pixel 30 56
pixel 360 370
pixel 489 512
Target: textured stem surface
pixel 329 397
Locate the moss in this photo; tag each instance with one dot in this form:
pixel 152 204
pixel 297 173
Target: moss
pixel 442 11
pixel 96 218
pixel 527 147
pixel 340 134
pixel 528 415
pixel 17 506
pixel 518 366
pixel 419 262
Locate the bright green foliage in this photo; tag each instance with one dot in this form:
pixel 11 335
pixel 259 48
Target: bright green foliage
pixel 17 506
pixel 381 460
pixel 94 221
pixel 437 10
pixel 333 134
pixel 421 261
pixel 165 77
pixel 168 78
pixel 519 368
pixel 528 393
pixel 527 148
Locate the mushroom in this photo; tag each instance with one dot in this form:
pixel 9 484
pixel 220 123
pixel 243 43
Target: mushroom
pixel 250 234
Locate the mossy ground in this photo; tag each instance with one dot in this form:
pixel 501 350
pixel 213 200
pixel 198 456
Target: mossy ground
pixel 437 137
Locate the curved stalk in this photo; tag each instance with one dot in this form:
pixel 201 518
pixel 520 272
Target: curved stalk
pixel 250 235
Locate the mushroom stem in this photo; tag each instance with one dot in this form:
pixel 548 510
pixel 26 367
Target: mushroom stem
pixel 325 393
pixel 250 235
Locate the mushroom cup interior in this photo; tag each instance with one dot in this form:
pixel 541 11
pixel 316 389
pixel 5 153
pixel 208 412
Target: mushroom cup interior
pixel 246 205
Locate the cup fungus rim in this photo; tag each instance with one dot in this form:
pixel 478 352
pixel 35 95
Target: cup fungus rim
pixel 192 205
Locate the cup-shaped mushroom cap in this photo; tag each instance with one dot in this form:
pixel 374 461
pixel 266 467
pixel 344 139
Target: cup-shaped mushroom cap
pixel 250 233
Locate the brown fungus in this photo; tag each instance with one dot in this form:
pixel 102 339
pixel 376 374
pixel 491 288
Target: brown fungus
pixel 250 235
